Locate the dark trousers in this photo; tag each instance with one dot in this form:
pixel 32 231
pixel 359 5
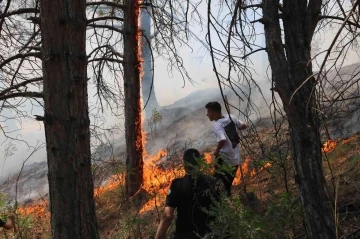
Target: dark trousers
pixel 225 173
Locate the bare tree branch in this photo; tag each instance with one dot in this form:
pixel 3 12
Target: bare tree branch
pixel 24 83
pixel 28 94
pixel 111 4
pixel 104 18
pixel 340 19
pixel 20 56
pixel 19 11
pixel 106 27
pixel 106 59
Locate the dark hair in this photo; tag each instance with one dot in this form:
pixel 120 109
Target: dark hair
pixel 215 106
pixel 189 158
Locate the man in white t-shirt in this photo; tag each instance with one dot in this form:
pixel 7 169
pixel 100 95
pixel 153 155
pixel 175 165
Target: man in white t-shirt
pixel 227 152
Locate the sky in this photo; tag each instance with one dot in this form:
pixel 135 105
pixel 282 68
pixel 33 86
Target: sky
pixel 169 87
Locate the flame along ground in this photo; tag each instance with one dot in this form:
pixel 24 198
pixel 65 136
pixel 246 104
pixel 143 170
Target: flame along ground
pixel 328 146
pixel 157 181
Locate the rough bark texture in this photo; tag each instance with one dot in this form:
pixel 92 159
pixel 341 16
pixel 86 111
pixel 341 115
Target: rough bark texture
pixel 63 26
pixel 148 93
pixel 290 68
pixel 132 70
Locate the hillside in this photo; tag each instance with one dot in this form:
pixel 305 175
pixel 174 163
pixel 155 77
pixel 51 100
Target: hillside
pixel 265 194
pixel 270 205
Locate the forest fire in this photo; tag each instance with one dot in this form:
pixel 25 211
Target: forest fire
pixel 247 171
pixel 328 146
pixel 157 177
pixel 38 210
pixel 112 183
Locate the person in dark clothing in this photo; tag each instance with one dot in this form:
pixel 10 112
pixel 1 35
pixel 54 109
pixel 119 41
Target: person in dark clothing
pixel 9 224
pixel 192 196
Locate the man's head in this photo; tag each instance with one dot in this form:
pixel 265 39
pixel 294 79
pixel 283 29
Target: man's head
pixel 189 158
pixel 213 110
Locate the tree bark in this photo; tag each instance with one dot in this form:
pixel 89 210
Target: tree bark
pixel 290 69
pixel 72 207
pixel 133 124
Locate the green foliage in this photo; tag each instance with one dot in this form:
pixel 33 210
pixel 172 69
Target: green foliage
pixel 234 220
pixel 2 200
pixel 4 207
pixel 25 223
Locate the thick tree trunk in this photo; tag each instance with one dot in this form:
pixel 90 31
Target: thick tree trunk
pixel 133 124
pixel 148 93
pixel 63 26
pixel 289 71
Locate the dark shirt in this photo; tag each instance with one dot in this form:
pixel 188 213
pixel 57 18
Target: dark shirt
pixel 2 223
pixel 193 197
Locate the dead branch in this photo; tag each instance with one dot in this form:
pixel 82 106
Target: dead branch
pixel 19 11
pixel 111 4
pixel 106 59
pixel 106 27
pixel 104 18
pixel 24 83
pixel 20 56
pixel 28 94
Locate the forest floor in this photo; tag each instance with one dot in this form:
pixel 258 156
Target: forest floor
pixel 267 191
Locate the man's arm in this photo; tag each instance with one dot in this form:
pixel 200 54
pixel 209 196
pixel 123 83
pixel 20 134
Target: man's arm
pixel 165 222
pixel 220 138
pixel 220 144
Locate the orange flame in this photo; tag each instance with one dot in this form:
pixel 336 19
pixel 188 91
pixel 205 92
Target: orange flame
pixel 246 170
pixel 157 179
pixel 208 158
pixel 39 209
pixel 112 183
pixel 345 141
pixel 328 146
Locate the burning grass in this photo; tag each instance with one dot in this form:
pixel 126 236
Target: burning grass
pixel 329 146
pixel 160 170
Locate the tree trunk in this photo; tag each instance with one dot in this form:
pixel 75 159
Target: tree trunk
pixel 133 124
pixel 148 93
pixel 63 26
pixel 289 71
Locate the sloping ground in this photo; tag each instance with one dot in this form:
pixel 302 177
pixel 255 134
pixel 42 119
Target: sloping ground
pixel 266 194
pixel 268 180
pixel 270 195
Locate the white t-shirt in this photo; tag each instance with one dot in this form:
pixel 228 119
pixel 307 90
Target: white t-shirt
pixel 230 155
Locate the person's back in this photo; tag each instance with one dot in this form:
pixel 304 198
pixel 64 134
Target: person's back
pixel 228 127
pixel 193 198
